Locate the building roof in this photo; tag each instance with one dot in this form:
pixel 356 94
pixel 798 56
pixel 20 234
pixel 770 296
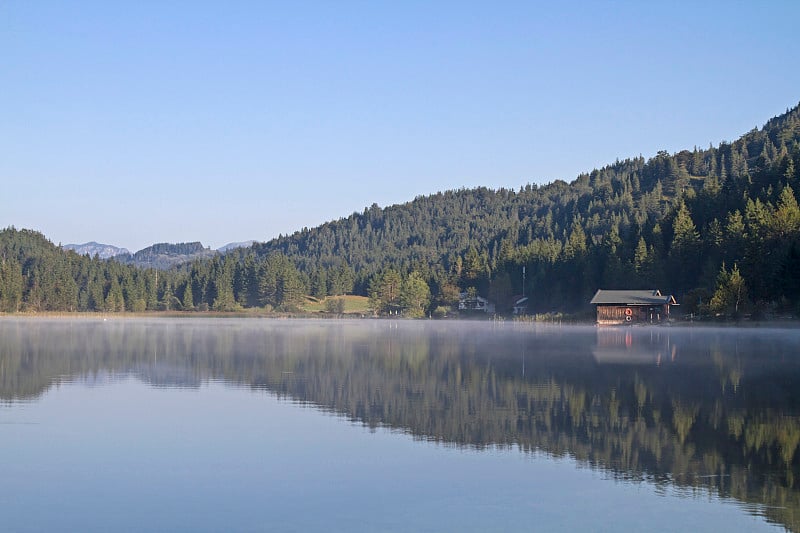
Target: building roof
pixel 465 297
pixel 647 297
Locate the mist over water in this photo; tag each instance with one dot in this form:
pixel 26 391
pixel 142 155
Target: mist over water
pixel 396 425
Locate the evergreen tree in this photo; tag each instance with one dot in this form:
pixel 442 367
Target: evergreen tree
pixel 224 299
pixel 114 300
pixel 684 251
pixel 787 216
pixel 730 296
pixel 415 295
pixel 385 290
pixel 188 298
pixel 319 284
pixel 290 289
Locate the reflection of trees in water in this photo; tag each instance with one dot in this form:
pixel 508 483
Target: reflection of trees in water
pixel 714 409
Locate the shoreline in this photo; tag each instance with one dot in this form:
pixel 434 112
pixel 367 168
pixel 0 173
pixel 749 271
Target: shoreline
pixel 781 323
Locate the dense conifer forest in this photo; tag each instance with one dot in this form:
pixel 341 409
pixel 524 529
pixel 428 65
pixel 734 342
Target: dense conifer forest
pixel 717 227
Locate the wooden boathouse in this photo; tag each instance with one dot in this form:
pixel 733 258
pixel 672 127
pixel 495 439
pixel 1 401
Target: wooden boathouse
pixel 632 307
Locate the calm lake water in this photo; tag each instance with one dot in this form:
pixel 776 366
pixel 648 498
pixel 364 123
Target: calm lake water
pixel 292 425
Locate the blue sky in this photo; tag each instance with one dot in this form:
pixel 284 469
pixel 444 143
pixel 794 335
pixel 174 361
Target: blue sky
pixel 131 123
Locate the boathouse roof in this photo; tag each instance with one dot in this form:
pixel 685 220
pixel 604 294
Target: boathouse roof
pixel 646 297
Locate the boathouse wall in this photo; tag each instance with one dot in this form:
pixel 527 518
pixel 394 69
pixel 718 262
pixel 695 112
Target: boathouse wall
pixel 631 314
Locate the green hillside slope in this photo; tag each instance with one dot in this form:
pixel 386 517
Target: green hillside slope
pixel 669 222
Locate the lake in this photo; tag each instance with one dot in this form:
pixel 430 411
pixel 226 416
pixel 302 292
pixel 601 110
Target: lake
pixel 376 425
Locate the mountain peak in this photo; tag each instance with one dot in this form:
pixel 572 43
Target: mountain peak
pixel 92 248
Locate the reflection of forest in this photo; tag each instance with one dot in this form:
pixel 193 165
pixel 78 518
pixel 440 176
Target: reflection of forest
pixel 716 409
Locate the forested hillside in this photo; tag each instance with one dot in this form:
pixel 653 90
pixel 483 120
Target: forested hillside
pixel 718 227
pixel 36 275
pixel 678 222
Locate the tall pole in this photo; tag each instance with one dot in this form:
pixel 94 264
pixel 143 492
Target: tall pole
pixel 523 281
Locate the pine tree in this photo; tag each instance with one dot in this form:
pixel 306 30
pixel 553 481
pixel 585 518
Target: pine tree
pixel 576 244
pixel 640 255
pixel 415 295
pixel 385 290
pixel 787 216
pixel 188 299
pixel 290 289
pixel 319 284
pixel 684 251
pixel 114 301
pixel 731 293
pixel 224 299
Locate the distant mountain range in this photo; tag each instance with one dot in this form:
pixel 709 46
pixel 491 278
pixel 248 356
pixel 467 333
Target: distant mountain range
pixel 234 245
pixel 161 256
pixel 166 255
pixel 103 251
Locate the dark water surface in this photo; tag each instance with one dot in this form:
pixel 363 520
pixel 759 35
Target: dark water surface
pixel 292 425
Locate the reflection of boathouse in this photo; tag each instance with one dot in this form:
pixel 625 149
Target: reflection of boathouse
pixel 632 307
pixel 626 346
